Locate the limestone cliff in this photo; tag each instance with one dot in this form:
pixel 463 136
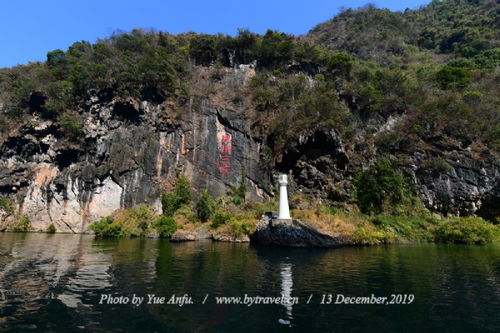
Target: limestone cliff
pixel 130 154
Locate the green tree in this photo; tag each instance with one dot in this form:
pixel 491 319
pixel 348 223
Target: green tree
pixel 183 190
pixel 54 57
pixel 239 193
pixel 340 63
pixel 204 207
pixel 165 225
pixel 170 203
pixel 379 188
pixel 202 49
pixel 275 48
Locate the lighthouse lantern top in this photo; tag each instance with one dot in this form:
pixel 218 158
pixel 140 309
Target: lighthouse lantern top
pixel 282 179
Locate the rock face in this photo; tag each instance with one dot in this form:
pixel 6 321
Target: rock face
pixel 291 233
pixel 467 186
pixel 461 183
pixel 130 154
pixel 318 162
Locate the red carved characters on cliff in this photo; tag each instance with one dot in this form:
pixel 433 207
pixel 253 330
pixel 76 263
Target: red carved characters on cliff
pixel 223 162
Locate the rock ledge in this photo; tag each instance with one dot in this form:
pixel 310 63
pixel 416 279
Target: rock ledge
pixel 291 233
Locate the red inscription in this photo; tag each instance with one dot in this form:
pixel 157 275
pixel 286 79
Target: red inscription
pixel 223 162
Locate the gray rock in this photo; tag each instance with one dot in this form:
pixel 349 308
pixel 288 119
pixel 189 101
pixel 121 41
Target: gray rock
pixel 202 232
pixel 291 233
pixel 184 235
pixel 126 162
pixel 232 239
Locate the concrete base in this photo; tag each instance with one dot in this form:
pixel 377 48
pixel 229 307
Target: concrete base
pixel 281 222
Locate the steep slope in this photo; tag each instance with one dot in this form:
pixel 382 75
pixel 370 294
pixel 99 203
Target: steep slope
pixel 451 28
pixel 109 125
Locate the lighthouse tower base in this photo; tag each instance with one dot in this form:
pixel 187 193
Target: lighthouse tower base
pixel 281 222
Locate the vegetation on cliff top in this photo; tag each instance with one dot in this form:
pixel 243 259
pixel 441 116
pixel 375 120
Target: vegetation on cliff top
pixel 444 79
pixel 463 29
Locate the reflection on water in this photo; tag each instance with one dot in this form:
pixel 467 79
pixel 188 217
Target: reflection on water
pixel 54 283
pixel 286 290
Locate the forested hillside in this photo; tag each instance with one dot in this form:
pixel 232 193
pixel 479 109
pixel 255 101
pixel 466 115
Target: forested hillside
pixel 415 93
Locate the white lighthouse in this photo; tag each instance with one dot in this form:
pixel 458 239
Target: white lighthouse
pixel 284 212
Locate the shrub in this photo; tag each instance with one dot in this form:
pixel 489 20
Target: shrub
pixel 71 126
pixel 186 214
pixel 366 235
pixel 7 205
pixel 105 228
pixel 240 192
pixel 23 224
pixel 453 77
pixel 472 97
pixel 240 227
pixel 379 188
pixel 134 222
pixel 416 228
pixel 204 206
pixel 170 203
pixel 436 165
pixel 183 190
pixel 220 218
pixel 165 226
pixel 470 230
pixel 51 229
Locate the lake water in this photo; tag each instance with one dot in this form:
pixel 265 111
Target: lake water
pixel 55 283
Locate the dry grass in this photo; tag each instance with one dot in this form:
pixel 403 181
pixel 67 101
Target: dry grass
pixel 331 224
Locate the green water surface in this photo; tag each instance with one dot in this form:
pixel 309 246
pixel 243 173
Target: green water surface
pixel 54 283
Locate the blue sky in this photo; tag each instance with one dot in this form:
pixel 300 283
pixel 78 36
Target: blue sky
pixel 31 28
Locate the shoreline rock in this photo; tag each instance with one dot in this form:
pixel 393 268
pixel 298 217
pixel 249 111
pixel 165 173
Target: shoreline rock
pixel 184 236
pixel 291 233
pixel 199 233
pixel 232 239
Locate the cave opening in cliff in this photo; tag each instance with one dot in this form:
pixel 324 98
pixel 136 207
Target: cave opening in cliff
pixel 22 147
pixel 153 95
pixel 127 113
pixel 7 189
pixel 36 101
pixel 315 146
pixel 490 209
pixel 66 157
